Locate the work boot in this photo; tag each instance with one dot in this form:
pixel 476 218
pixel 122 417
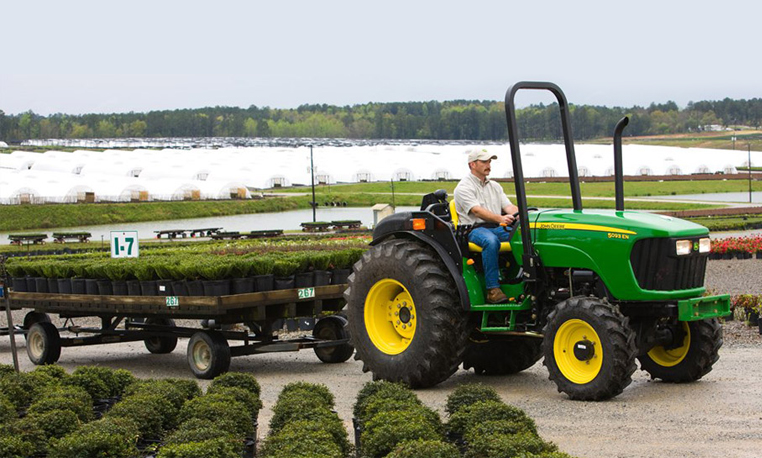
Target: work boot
pixel 496 296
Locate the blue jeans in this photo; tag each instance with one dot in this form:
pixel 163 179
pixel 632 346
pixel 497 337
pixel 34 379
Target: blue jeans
pixel 489 239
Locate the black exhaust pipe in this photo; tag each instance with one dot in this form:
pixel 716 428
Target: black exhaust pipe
pixel 618 171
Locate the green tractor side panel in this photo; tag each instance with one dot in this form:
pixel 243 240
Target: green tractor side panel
pixel 602 241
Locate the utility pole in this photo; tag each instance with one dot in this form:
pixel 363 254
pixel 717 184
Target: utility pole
pixel 312 173
pixel 748 148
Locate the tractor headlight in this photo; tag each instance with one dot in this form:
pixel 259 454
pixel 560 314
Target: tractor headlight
pixel 683 247
pixel 705 245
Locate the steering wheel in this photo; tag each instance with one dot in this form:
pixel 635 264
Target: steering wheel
pixel 510 227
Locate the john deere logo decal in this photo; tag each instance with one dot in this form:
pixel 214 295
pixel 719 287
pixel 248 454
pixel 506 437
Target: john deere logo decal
pixel 695 246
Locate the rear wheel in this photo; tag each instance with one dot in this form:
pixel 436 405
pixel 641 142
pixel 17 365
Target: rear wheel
pixel 161 344
pixel 332 328
pixel 43 343
pixel 502 357
pixel 405 317
pixel 692 355
pixel 34 317
pixel 589 349
pixel 208 354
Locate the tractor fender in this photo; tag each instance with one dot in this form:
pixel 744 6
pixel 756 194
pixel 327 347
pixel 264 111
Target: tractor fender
pixel 449 262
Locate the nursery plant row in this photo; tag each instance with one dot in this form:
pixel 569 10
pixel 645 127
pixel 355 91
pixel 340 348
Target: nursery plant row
pixel 191 270
pixel 96 411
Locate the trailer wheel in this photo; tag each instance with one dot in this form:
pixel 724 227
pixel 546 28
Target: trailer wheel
pixel 208 354
pixel 502 357
pixel 161 344
pixel 43 343
pixel 589 349
pixel 332 328
pixel 34 317
pixel 405 317
pixel 691 359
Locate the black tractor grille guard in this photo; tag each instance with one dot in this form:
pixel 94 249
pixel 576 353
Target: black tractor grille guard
pixel 658 268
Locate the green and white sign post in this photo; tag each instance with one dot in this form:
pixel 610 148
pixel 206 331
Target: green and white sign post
pixel 124 244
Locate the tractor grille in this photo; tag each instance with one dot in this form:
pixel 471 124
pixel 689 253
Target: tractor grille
pixel 658 268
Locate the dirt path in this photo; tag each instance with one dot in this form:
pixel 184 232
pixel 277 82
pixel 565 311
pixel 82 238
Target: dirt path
pixel 719 416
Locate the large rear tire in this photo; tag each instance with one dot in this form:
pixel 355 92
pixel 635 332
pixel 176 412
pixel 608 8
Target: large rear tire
pixel 405 317
pixel 589 349
pixel 502 357
pixel 688 362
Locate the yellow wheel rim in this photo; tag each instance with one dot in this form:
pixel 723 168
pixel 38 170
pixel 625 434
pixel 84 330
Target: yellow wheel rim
pixel 673 357
pixel 390 316
pixel 578 351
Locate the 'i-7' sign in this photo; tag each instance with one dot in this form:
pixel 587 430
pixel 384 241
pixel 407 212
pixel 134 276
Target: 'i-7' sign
pixel 124 244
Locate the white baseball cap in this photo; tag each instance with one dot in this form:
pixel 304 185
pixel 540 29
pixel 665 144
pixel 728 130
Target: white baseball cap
pixel 479 155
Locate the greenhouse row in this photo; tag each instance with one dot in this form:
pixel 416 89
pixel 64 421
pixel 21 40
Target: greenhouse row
pixel 234 172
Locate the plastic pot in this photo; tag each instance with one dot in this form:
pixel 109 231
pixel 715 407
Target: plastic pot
pixel 216 287
pixel 180 288
pixel 105 288
pixel 195 287
pixel 304 280
pixel 119 288
pixel 64 285
pixel 164 288
pixel 284 282
pixel 148 288
pixel 78 286
pixel 264 282
pixel 322 277
pixel 19 284
pixel 91 286
pixel 53 285
pixel 242 285
pixel 133 288
pixel 340 276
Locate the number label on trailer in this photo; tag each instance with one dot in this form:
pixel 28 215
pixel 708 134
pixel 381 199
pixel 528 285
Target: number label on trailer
pixel 173 301
pixel 124 244
pixel 306 293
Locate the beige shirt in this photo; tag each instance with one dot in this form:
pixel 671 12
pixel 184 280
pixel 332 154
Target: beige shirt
pixel 470 192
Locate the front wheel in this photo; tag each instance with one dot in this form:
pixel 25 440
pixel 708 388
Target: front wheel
pixel 208 354
pixel 589 349
pixel 405 317
pixel 691 357
pixel 43 343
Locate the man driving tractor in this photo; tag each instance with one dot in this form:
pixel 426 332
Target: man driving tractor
pixel 482 202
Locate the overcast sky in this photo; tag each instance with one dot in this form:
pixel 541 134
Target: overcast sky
pixel 118 56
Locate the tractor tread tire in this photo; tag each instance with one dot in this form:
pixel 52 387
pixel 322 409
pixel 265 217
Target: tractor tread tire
pixel 502 357
pixel 436 351
pixel 617 338
pixel 706 340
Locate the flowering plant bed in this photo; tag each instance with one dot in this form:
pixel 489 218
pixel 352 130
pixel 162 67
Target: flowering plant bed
pixel 737 247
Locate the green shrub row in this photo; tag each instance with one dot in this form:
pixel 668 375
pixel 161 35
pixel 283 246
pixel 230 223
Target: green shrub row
pixel 50 412
pixel 304 424
pixel 486 427
pixel 394 422
pixel 216 424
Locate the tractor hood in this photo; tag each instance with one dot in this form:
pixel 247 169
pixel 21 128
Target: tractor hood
pixel 615 245
pixel 633 223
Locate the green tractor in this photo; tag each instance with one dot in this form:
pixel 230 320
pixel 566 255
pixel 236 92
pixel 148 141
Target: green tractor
pixel 591 291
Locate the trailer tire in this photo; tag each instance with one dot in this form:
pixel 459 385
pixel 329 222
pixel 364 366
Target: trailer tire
pixel 34 317
pixel 424 344
pixel 502 357
pixel 690 361
pixel 208 354
pixel 332 328
pixel 161 344
pixel 589 349
pixel 43 344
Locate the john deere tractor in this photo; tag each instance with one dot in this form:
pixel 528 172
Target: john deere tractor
pixel 591 291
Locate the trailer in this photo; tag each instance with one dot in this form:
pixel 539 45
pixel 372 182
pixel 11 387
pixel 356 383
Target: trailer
pixel 247 319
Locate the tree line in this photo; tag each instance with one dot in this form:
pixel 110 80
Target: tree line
pixel 450 120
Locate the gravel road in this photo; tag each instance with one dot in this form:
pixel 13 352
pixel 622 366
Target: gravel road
pixel 721 415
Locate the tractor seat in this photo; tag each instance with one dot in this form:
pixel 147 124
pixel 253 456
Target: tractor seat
pixel 474 248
